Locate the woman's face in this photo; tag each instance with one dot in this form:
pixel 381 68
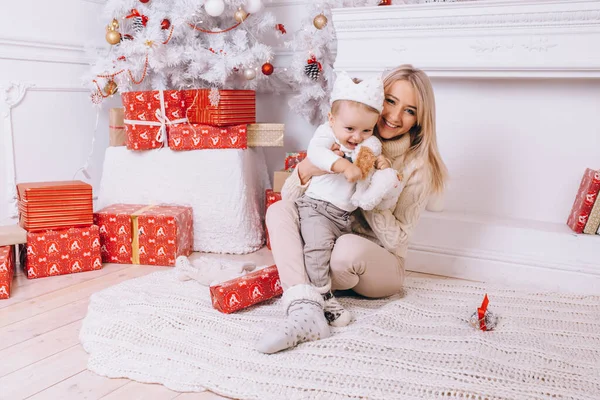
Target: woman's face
pixel 399 110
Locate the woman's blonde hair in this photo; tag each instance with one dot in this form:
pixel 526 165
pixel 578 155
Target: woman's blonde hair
pixel 423 140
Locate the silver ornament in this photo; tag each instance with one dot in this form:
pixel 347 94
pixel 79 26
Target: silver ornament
pixel 249 74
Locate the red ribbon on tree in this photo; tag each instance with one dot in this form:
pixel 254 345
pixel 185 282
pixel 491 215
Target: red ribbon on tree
pixel 136 13
pixel 281 28
pixel 313 60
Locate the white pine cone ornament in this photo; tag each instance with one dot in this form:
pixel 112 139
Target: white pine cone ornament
pixel 138 21
pixel 313 68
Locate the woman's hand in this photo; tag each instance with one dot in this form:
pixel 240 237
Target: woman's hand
pixel 306 169
pixel 336 149
pixel 382 163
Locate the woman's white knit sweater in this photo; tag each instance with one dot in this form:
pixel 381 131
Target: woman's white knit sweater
pixel 389 228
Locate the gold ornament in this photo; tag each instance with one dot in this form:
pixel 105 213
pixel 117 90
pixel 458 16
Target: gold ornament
pixel 110 88
pixel 320 21
pixel 240 15
pixel 112 35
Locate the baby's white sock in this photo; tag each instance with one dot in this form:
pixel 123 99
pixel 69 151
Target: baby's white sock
pixel 335 313
pixel 304 321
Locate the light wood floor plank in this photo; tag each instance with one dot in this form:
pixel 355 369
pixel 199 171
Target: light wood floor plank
pixel 36 377
pixel 29 328
pixel 141 391
pixel 40 347
pixel 40 286
pixel 84 386
pixel 55 299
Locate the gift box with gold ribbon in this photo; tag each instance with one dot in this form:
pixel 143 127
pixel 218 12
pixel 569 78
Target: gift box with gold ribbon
pixel 145 234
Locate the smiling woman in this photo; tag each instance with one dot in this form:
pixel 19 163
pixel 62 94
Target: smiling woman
pixel 370 259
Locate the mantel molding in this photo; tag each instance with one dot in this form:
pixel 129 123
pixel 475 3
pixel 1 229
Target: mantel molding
pixel 529 39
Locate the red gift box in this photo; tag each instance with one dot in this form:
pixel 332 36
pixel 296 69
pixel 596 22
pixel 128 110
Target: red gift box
pixel 270 198
pixel 220 107
pixel 246 290
pixel 197 136
pixel 142 234
pixel 293 159
pixel 7 270
pixel 586 196
pixel 54 205
pixel 149 116
pixel 62 252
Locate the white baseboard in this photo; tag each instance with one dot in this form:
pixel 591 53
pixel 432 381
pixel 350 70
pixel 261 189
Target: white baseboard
pixel 513 252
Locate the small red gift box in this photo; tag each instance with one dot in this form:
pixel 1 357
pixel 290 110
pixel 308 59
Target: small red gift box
pixel 270 198
pixel 293 159
pixel 197 136
pixel 220 107
pixel 149 116
pixel 586 196
pixel 62 252
pixel 246 290
pixel 7 270
pixel 142 234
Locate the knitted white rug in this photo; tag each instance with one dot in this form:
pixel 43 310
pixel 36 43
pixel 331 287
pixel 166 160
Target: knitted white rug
pixel 157 329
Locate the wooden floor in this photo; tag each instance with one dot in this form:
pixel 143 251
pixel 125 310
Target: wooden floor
pixel 40 354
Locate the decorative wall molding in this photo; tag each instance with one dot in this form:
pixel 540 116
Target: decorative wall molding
pixel 546 39
pixel 512 252
pixel 28 50
pixel 11 94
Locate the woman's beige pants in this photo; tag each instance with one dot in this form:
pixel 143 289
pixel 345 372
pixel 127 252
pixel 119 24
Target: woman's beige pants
pixel 356 263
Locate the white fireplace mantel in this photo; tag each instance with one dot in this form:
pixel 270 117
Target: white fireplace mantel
pixel 505 39
pixel 516 145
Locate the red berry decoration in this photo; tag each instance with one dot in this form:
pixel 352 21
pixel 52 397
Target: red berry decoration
pixel 267 68
pixel 144 1
pixel 165 24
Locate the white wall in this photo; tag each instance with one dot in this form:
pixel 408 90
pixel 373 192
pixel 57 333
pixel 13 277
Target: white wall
pixel 54 123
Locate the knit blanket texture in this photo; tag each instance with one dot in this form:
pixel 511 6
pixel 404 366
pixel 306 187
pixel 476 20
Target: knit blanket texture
pixel 416 345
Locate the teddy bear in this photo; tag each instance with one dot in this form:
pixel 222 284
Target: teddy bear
pixel 378 189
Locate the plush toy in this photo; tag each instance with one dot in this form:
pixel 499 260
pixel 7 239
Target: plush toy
pixel 379 188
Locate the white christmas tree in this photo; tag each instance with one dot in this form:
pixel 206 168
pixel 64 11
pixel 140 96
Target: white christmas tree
pixel 176 44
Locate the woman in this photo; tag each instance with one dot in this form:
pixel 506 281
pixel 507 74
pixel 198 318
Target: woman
pixel 371 260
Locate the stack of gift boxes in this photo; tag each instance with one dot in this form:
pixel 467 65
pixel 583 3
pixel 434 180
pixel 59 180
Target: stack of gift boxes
pixel 279 177
pixel 61 236
pixel 585 213
pixel 192 119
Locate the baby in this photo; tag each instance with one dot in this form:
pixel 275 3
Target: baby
pixel 325 207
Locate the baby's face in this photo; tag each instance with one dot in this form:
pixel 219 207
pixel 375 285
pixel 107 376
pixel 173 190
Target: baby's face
pixel 352 124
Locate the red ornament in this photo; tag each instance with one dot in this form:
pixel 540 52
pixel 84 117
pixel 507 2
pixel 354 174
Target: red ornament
pixel 267 68
pixel 144 1
pixel 385 3
pixel 165 24
pixel 281 28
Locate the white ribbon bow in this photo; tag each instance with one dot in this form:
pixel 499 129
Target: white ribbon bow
pixel 162 121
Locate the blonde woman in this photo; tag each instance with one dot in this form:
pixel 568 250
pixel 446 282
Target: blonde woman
pixel 370 261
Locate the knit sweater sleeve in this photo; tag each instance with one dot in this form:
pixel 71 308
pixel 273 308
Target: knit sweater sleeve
pixel 393 228
pixel 293 187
